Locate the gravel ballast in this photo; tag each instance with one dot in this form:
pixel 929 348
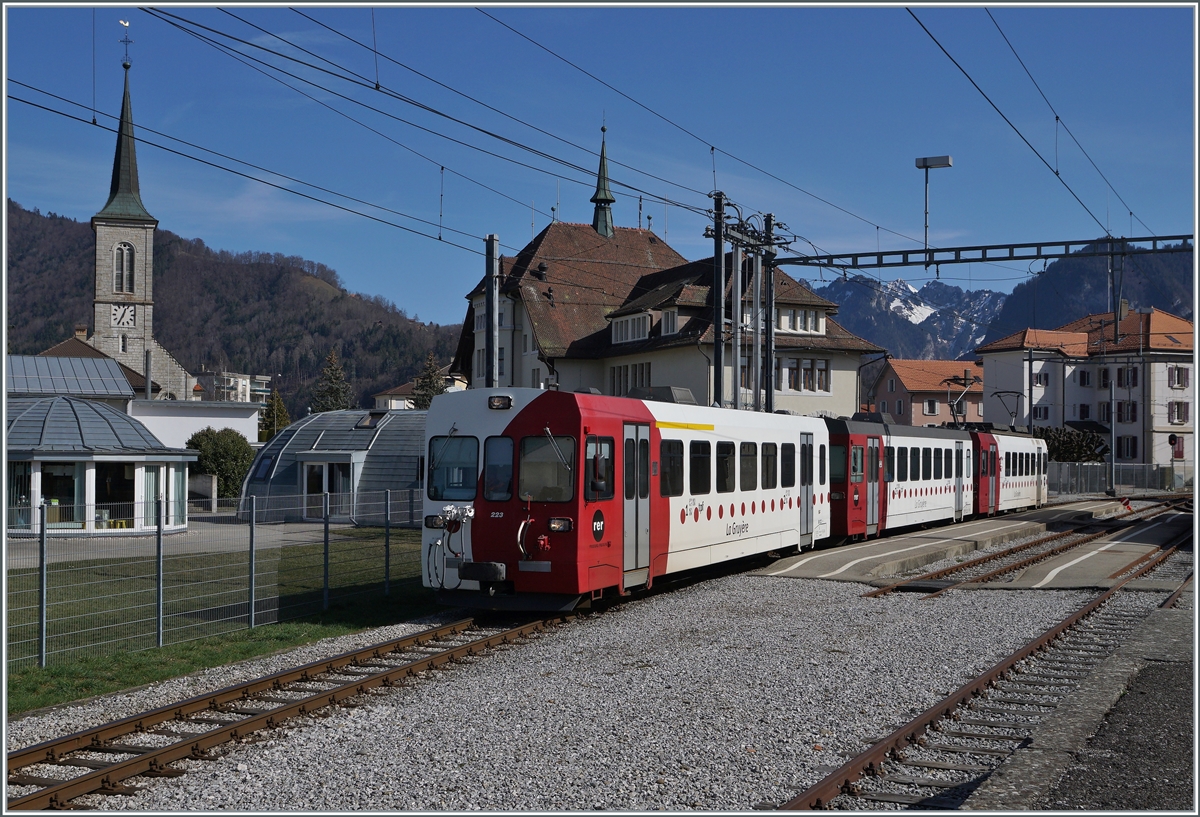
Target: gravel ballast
pixel 723 695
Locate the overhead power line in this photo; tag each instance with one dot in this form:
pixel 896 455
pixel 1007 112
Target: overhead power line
pixel 1058 121
pixel 1016 130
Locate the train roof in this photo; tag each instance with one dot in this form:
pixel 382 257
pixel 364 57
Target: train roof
pixel 843 425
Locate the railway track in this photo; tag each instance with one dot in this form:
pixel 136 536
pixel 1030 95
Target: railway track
pixel 101 759
pixel 991 566
pixel 937 759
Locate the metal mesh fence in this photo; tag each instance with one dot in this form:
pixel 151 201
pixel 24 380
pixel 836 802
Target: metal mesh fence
pixel 76 589
pixel 1093 477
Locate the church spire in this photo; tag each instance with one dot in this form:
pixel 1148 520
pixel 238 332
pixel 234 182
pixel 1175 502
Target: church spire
pixel 602 221
pixel 124 197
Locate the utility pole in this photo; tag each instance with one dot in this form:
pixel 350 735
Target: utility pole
pixel 1029 399
pixel 756 329
pixel 491 305
pixel 736 326
pixel 718 298
pixel 768 253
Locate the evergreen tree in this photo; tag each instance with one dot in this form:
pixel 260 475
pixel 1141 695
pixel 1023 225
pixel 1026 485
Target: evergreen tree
pixel 332 392
pixel 225 453
pixel 1070 445
pixel 430 383
pixel 274 417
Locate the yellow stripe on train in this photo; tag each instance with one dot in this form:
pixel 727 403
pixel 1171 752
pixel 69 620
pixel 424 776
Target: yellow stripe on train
pixel 689 426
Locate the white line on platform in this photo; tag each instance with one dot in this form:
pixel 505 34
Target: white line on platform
pixel 905 550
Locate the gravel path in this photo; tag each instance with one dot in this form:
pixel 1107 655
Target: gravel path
pixel 719 696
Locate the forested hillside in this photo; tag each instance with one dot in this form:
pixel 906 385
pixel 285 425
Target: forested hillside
pixel 256 313
pixel 1071 288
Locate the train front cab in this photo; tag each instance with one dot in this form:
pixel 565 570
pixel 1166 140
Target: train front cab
pixel 561 505
pixel 857 503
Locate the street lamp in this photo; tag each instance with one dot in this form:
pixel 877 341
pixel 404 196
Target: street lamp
pixel 926 163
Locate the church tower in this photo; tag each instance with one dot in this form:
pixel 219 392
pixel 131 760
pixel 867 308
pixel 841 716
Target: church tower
pixel 602 220
pixel 124 287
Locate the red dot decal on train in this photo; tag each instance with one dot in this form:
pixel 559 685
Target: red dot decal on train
pixel 743 504
pixel 708 512
pixel 751 507
pixel 682 516
pixel 764 506
pixel 697 514
pixel 773 505
pixel 721 512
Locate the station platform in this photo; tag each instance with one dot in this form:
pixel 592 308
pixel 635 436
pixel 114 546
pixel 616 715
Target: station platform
pixel 878 562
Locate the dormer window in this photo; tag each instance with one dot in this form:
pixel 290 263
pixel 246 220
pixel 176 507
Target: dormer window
pixel 123 267
pixel 670 321
pixel 634 327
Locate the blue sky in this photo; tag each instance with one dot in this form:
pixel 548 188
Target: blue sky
pixel 837 102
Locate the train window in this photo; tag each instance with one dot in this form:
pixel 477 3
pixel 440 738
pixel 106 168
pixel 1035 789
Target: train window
pixel 454 467
pixel 806 468
pixel 983 465
pixel 926 463
pixel 1045 463
pixel 1007 463
pixel 670 452
pixel 856 463
pixel 958 463
pixel 837 463
pixel 902 464
pixel 873 463
pixel 769 465
pixel 787 465
pixel 995 469
pixel 643 469
pixel 700 474
pixel 498 468
pixel 889 464
pixel 821 464
pixel 630 468
pixel 544 473
pixel 914 463
pixel 598 471
pixel 748 466
pixel 725 468
pixel 937 464
pixel 949 458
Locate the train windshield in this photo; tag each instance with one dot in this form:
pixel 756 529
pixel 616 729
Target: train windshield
pixel 546 466
pixel 453 467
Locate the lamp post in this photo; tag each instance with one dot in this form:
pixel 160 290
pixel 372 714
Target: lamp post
pixel 926 163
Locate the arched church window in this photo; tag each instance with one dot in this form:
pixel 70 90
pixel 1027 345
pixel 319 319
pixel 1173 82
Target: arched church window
pixel 123 268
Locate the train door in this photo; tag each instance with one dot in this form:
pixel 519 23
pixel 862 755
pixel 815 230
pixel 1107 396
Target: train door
pixel 806 489
pixel 637 504
pixel 1040 477
pixel 958 481
pixel 993 478
pixel 873 462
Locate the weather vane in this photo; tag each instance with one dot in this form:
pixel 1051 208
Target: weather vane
pixel 126 41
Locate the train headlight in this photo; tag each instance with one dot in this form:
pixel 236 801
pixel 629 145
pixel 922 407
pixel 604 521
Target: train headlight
pixel 560 525
pixel 436 521
pixel 500 401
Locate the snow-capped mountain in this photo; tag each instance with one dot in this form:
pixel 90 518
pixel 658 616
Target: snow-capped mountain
pixel 938 321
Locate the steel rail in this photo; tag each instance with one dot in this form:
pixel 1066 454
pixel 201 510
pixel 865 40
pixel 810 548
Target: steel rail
pixel 822 793
pixel 155 760
pixel 1174 597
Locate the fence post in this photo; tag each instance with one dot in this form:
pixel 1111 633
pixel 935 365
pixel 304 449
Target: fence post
pixel 411 510
pixel 387 541
pixel 253 514
pixel 158 549
pixel 325 581
pixel 42 585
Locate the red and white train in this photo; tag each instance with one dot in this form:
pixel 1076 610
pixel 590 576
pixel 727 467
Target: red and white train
pixel 544 499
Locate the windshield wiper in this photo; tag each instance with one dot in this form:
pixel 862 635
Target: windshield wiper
pixel 445 446
pixel 557 450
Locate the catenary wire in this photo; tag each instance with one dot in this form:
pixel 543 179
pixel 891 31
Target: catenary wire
pixel 1058 119
pixel 1015 129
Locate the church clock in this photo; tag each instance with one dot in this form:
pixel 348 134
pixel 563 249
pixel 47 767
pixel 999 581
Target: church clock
pixel 123 315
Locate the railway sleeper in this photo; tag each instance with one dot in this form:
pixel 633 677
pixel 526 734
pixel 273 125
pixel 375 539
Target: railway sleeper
pixel 929 782
pixel 968 750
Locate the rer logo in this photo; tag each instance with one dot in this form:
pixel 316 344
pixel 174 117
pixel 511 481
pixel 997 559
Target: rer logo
pixel 598 526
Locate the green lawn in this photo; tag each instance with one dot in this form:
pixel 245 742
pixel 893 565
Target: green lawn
pixel 102 613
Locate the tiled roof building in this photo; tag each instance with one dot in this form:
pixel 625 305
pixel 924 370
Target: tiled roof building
pixel 616 308
pixel 920 392
pixel 1081 376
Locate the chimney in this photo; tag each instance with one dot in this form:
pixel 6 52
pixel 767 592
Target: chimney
pixel 81 331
